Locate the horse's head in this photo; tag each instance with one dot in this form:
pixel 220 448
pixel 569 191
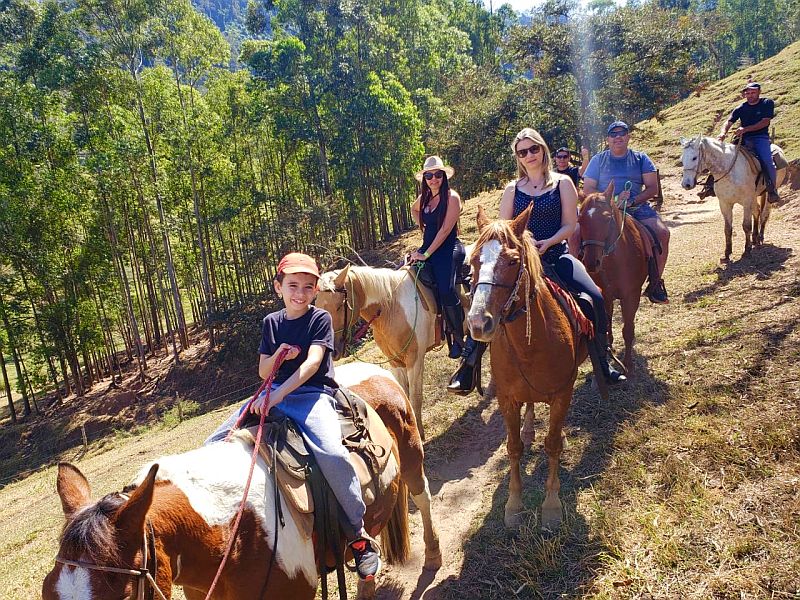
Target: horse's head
pixel 107 534
pixel 691 159
pixel 599 220
pixel 505 266
pixel 336 295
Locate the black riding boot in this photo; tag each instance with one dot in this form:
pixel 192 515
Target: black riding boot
pixel 656 290
pixel 600 341
pixel 454 324
pixel 468 374
pixel 772 193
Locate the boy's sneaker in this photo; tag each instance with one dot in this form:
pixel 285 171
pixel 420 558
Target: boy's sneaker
pixel 368 559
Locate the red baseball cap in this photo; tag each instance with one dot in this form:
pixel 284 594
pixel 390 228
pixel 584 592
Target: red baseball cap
pixel 297 262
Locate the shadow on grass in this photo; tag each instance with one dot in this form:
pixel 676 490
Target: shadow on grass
pixel 763 261
pixel 562 564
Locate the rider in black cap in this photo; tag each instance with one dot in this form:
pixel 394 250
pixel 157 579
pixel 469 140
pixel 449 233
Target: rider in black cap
pixel 755 114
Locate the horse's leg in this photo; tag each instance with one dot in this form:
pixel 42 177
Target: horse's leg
pixel 415 367
pixel 553 444
pixel 629 306
pixel 609 302
pixel 763 216
pixel 511 409
pixel 747 226
pixel 421 494
pixel 727 214
pixel 528 433
pixel 365 589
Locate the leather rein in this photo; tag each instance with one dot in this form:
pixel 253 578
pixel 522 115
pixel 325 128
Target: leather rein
pixel 147 587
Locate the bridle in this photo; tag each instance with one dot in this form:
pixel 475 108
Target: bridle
pixel 696 168
pixel 607 246
pixel 513 296
pixel 147 587
pixel 348 337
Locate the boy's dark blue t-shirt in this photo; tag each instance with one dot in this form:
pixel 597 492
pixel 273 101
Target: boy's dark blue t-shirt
pixel 314 327
pixel 750 114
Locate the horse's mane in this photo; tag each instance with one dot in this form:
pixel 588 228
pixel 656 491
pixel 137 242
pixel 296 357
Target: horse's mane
pixel 91 534
pixel 379 284
pixel 501 231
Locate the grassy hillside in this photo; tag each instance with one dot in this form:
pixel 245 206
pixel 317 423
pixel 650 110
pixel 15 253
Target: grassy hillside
pixel 705 110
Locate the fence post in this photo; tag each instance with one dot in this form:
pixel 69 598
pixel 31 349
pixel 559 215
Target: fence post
pixel 85 440
pixel 180 408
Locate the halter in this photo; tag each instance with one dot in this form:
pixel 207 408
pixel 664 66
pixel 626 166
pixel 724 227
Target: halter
pixel 608 248
pixel 146 581
pixel 513 297
pixel 696 169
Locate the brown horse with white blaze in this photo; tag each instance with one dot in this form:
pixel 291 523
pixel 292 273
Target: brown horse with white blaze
pixel 535 349
pixel 175 524
pixel 615 255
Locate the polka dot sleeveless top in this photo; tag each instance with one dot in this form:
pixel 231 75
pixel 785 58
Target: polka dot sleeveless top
pixel 545 218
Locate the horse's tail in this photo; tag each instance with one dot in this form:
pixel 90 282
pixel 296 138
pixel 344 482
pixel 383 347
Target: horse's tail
pixel 395 536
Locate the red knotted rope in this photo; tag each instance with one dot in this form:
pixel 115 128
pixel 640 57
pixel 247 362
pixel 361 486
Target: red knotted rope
pixel 242 416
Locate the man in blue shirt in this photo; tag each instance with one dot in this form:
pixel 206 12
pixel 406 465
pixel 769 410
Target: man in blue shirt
pixel 755 114
pixel 636 181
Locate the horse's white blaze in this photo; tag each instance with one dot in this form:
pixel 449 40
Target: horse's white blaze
pixel 489 255
pixel 73 584
pixel 356 372
pixel 590 212
pixel 213 478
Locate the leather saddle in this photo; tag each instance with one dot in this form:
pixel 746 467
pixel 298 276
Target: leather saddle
pixel 285 451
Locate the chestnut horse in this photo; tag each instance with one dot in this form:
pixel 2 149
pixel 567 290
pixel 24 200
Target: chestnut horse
pixel 174 525
pixel 402 323
pixel 535 350
pixel 615 255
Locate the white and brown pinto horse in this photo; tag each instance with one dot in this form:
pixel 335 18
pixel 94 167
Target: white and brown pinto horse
pixel 734 183
pixel 176 521
pixel 403 324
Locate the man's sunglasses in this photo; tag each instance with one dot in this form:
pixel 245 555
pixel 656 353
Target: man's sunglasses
pixel 562 155
pixel 430 175
pixel 523 152
pixel 618 133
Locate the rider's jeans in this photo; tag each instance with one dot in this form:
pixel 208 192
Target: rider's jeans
pixel 761 147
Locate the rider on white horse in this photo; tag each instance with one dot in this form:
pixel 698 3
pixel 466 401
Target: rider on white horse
pixel 755 114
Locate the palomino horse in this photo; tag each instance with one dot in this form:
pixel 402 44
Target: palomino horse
pixel 178 518
pixel 614 254
pixel 402 326
pixel 734 183
pixel 536 350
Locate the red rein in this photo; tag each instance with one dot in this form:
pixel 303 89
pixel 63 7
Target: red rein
pixel 242 416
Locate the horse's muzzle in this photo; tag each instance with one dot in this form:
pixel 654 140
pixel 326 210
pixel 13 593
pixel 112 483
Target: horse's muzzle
pixel 688 184
pixel 482 326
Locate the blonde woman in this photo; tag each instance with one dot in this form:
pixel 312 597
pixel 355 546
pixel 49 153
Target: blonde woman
pixel 552 221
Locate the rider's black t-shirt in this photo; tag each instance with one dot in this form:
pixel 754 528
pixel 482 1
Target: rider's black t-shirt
pixel 314 327
pixel 572 173
pixel 750 114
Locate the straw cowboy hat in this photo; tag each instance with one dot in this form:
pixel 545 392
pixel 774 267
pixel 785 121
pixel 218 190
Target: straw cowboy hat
pixel 434 163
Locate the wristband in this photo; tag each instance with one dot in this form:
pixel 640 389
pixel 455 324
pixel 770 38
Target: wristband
pixel 426 255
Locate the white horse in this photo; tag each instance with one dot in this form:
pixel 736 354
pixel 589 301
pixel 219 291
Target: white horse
pixel 734 172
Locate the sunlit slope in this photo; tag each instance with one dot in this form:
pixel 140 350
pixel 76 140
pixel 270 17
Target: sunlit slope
pixel 704 111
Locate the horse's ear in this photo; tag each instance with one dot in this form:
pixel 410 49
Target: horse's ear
pixel 131 515
pixel 609 193
pixel 73 488
pixel 341 278
pixel 683 141
pixel 483 220
pixel 520 224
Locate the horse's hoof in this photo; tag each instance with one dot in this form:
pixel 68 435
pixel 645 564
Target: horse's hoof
pixel 513 519
pixel 433 560
pixel 551 518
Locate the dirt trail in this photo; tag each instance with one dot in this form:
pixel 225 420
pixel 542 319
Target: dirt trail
pixel 464 486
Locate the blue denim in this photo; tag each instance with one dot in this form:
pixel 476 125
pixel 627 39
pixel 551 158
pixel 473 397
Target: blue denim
pixel 762 148
pixel 312 410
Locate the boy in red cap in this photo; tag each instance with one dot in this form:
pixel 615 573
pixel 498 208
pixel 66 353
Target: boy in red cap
pixel 303 390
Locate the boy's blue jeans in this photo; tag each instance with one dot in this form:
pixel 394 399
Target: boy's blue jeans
pixel 312 409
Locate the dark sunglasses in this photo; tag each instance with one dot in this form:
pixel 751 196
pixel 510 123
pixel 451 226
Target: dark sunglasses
pixel 523 152
pixel 618 133
pixel 430 175
pixel 562 155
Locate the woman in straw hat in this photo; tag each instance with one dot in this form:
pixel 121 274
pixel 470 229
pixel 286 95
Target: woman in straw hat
pixel 436 211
